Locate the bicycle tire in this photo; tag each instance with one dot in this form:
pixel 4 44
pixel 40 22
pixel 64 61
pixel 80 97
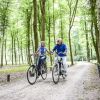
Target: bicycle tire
pixel 31 74
pixel 44 71
pixel 56 67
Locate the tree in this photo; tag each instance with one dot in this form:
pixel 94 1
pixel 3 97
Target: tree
pixel 3 24
pixel 71 21
pixel 35 25
pixel 42 3
pixel 95 26
pixel 54 22
pixel 98 15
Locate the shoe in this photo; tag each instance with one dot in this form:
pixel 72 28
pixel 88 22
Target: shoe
pixel 65 74
pixel 43 72
pixel 38 75
pixel 31 74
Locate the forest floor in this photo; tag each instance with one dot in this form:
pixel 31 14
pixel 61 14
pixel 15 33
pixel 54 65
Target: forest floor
pixel 82 83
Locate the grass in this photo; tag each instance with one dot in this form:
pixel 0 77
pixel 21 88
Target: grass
pixel 14 70
pixel 21 68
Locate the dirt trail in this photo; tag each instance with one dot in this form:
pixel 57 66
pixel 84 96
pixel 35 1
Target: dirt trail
pixel 82 83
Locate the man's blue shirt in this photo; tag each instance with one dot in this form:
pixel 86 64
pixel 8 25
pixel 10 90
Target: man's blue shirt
pixel 60 48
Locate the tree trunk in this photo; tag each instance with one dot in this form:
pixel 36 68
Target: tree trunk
pixel 87 44
pixel 12 36
pixel 39 22
pixel 2 53
pixel 28 34
pixel 5 52
pixel 94 20
pixel 4 18
pixel 15 50
pixel 70 46
pixel 54 23
pixel 22 52
pixel 61 23
pixel 49 25
pixel 87 48
pixel 18 50
pixel 98 14
pixel 35 24
pixel 43 2
pixel 71 21
pixel 2 46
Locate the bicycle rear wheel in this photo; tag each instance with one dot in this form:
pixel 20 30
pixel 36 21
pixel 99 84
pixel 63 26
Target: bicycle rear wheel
pixel 44 71
pixel 32 74
pixel 55 73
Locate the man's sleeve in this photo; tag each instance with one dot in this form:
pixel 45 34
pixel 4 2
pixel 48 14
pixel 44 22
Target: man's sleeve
pixel 54 48
pixel 65 48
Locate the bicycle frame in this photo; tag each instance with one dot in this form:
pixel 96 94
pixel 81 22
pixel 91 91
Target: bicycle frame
pixel 37 57
pixel 59 59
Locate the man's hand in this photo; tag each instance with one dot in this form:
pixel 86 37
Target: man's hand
pixel 51 52
pixel 65 53
pixel 62 53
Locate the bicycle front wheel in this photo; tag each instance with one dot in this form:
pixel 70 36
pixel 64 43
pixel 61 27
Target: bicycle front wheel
pixel 32 74
pixel 55 73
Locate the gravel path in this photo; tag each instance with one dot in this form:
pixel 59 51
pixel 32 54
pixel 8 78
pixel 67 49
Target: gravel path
pixel 82 83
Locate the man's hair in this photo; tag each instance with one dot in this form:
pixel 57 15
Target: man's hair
pixel 60 39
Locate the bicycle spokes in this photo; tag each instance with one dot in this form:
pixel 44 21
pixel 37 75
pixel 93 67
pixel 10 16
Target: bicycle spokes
pixel 44 71
pixel 55 74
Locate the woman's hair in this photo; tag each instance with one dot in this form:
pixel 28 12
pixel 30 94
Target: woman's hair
pixel 42 42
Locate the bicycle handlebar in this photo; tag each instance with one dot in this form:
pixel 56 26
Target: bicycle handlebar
pixel 58 53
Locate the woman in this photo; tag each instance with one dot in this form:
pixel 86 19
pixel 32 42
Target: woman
pixel 41 52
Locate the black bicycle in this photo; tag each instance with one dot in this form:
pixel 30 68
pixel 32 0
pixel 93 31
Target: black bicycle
pixel 57 70
pixel 33 72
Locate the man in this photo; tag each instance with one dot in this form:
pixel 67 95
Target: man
pixel 61 50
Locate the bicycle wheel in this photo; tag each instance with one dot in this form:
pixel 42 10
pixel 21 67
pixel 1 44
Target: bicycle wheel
pixel 44 71
pixel 55 73
pixel 32 74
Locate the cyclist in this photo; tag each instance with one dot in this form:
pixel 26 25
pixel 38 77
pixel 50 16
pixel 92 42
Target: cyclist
pixel 61 50
pixel 41 52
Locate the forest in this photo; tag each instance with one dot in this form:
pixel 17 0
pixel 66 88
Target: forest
pixel 24 23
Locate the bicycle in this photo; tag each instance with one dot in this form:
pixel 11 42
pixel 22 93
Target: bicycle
pixel 57 70
pixel 33 72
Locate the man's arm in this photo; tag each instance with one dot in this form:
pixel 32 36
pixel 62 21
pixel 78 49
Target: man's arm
pixel 51 52
pixel 65 52
pixel 54 49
